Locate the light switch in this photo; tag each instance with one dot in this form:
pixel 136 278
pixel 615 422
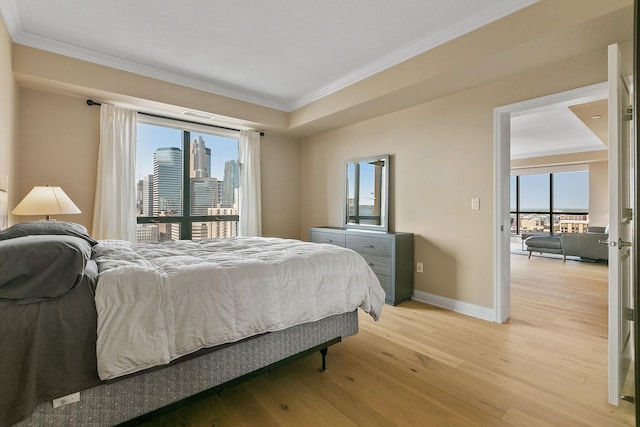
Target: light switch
pixel 475 204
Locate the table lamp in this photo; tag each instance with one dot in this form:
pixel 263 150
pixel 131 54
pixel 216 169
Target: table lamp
pixel 46 200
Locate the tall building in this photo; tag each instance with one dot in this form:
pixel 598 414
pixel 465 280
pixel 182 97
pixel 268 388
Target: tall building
pixel 231 180
pixel 200 160
pixel 199 230
pixel 168 232
pixel 220 193
pixel 139 202
pixel 204 195
pixel 221 229
pixel 167 182
pixel 147 195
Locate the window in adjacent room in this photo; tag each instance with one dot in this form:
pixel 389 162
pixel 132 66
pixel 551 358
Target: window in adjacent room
pixel 535 205
pixel 187 181
pixel 571 202
pixel 555 202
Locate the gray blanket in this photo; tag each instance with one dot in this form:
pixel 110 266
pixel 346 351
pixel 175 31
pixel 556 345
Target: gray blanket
pixel 44 355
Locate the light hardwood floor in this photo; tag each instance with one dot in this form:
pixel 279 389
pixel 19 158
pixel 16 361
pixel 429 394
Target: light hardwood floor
pixel 420 365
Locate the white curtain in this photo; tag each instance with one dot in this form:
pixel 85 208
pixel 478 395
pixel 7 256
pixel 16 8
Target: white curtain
pixel 250 206
pixel 114 212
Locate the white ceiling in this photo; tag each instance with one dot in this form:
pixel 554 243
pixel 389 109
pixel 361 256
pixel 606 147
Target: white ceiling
pixel 282 54
pixel 278 53
pixel 552 132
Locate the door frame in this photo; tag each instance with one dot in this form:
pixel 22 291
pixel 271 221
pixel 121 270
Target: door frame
pixel 501 149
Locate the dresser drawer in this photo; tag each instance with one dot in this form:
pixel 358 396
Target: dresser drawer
pixel 327 237
pixel 379 264
pixel 369 245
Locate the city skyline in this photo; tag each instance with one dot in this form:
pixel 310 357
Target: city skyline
pixel 163 191
pixel 152 137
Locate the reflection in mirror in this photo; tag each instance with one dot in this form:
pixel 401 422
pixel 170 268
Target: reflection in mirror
pixel 367 193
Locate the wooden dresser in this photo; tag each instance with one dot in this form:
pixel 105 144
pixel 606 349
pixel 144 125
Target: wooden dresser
pixel 390 255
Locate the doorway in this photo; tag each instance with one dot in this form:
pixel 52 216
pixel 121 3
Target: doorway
pixel 617 139
pixel 502 158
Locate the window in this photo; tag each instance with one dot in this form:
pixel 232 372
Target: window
pixel 550 203
pixel 571 202
pixel 187 182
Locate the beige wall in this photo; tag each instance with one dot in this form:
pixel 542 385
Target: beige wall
pixel 58 145
pixel 442 156
pixel 280 169
pixel 8 104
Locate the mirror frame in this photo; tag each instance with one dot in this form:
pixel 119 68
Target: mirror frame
pixel 384 214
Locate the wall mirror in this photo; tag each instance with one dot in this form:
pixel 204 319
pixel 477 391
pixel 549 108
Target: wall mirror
pixel 367 193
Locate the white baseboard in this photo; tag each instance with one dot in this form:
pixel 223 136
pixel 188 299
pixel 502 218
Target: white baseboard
pixel 465 308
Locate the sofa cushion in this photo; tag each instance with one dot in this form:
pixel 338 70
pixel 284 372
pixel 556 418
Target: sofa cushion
pixel 544 242
pixel 586 245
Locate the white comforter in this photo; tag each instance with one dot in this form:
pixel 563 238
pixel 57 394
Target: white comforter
pixel 158 302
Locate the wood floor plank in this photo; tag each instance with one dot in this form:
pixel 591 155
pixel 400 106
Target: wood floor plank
pixel 349 404
pixel 423 365
pixel 245 410
pixel 379 389
pixel 290 402
pixel 464 398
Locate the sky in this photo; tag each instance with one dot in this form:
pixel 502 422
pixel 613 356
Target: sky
pixel 151 137
pixel 571 191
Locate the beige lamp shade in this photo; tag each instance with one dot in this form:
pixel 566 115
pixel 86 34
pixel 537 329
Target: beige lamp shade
pixel 45 200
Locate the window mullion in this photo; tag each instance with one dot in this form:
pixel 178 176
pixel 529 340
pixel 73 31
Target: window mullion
pixel 518 204
pixel 551 202
pixel 185 223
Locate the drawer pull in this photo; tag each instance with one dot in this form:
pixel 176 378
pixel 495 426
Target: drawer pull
pixel 367 246
pixel 370 264
pixel 328 241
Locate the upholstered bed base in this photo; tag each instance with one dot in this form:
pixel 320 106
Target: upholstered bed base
pixel 126 399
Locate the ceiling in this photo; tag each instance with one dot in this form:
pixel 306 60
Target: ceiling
pixel 282 54
pixel 560 129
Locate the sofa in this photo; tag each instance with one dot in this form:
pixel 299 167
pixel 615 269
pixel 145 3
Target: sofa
pixel 584 245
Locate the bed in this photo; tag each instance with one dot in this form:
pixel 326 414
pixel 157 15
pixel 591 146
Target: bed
pixel 137 328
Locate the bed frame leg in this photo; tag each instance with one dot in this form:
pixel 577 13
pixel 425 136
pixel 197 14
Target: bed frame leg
pixel 323 352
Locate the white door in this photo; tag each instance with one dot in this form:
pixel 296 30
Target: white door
pixel 621 228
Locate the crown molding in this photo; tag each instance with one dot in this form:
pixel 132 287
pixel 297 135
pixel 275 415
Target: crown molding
pixel 77 52
pixel 9 12
pixel 414 49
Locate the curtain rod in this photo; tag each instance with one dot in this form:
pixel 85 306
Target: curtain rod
pixel 91 103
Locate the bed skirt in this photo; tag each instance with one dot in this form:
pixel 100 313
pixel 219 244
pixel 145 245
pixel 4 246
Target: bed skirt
pixel 119 401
